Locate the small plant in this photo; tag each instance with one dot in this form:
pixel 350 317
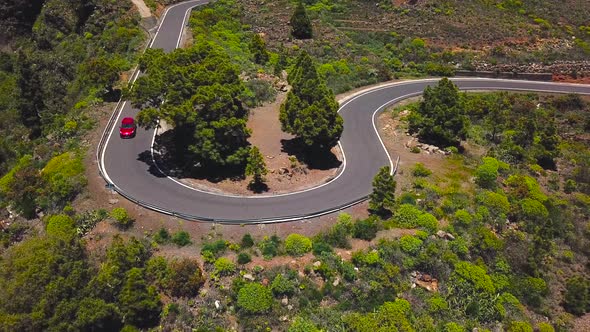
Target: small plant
pixel 420 170
pixel 282 286
pixel 121 217
pixel 181 238
pixel 415 149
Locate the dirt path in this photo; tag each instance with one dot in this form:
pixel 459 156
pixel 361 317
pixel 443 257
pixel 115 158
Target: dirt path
pixel 144 11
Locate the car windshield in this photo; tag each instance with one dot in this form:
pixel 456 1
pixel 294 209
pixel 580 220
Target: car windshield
pixel 127 125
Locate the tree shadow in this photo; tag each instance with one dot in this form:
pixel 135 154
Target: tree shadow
pixel 172 160
pixel 146 157
pixel 321 159
pixel 258 187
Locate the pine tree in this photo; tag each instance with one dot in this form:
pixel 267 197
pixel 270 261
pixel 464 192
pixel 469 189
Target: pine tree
pixel 140 304
pixel 256 167
pixel 300 23
pixel 440 118
pixel 258 49
pixel 311 111
pixel 281 62
pixel 382 199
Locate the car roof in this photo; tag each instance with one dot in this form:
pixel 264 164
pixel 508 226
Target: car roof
pixel 127 120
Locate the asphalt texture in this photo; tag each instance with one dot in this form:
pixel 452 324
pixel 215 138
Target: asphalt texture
pixel 127 163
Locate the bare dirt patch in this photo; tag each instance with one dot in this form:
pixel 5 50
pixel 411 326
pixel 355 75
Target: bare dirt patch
pixel 144 11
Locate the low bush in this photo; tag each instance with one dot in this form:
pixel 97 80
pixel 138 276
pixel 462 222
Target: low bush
pixel 254 298
pixel 297 245
pixel 224 266
pixel 247 241
pixel 365 229
pixel 244 258
pixel 121 217
pixel 282 286
pixel 420 170
pixel 181 238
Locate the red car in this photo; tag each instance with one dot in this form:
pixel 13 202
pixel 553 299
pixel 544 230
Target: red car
pixel 128 128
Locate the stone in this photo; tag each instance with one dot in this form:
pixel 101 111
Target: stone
pixel 441 234
pixel 285 301
pixel 317 264
pixel 217 304
pixel 113 201
pixel 290 307
pixel 283 318
pixel 336 282
pixel 249 277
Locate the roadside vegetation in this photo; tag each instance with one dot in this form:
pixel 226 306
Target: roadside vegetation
pixel 495 239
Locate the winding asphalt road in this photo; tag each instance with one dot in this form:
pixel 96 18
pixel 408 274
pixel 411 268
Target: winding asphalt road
pixel 127 164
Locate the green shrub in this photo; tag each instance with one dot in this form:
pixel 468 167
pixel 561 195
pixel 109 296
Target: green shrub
pixel 121 217
pixel 487 173
pixel 409 216
pixel 519 326
pixel 462 218
pixel 420 170
pixel 162 236
pixel 570 186
pixel 577 298
pixel 410 244
pixel 365 229
pixel 454 327
pixel 320 246
pixel 247 241
pixel 61 226
pixel 269 246
pixel 181 238
pixel 282 286
pixel 301 324
pixel 297 245
pixel 224 266
pixel 216 248
pixel 244 258
pixel 254 298
pixel 545 327
pixel 64 175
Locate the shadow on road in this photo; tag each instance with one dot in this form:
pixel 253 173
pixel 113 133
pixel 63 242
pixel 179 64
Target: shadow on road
pixel 146 157
pixel 314 159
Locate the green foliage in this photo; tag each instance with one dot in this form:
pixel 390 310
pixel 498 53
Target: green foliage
pixel 269 246
pixel 382 199
pixel 244 258
pixel 297 245
pixel 462 218
pixel 258 49
pixel 365 229
pixel 162 236
pixel 282 286
pixel 300 23
pixel 61 226
pixel 181 238
pixel 247 241
pixel 122 217
pixel 311 111
pixel 391 316
pixel 409 216
pixel 64 175
pixel 420 170
pixel 440 118
pixel 224 266
pixel 185 278
pixel 254 298
pixel 140 304
pixel 410 244
pixel 520 326
pixel 577 297
pixel 487 173
pixel 256 167
pixel 301 324
pixel 207 113
pixel 454 327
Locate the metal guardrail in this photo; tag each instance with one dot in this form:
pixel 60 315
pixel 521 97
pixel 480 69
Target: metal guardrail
pixel 190 217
